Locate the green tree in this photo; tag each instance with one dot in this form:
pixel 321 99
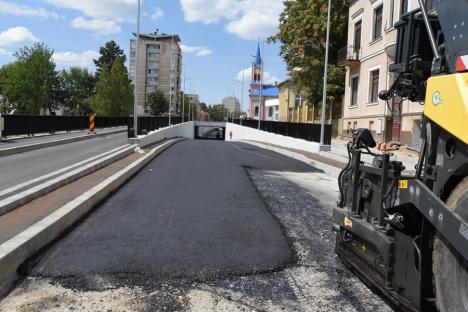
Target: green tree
pixel 75 86
pixel 157 104
pixel 109 52
pixel 29 83
pixel 114 96
pixel 302 34
pixel 188 105
pixel 217 112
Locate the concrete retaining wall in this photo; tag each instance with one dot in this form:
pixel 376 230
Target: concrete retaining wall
pixel 246 133
pixel 185 130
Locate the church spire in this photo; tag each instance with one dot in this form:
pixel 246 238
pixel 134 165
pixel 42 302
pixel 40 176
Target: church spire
pixel 258 58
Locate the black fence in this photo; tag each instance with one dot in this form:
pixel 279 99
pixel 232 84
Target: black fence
pixel 305 131
pixel 34 124
pixel 149 123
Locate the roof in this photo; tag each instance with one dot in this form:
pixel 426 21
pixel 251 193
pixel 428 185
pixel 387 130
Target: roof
pixel 154 36
pixel 268 91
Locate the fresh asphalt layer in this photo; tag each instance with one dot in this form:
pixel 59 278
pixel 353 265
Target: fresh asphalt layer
pixel 192 214
pixel 18 168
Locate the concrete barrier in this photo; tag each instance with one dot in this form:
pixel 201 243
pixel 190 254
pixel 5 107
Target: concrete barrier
pixel 184 130
pixel 246 133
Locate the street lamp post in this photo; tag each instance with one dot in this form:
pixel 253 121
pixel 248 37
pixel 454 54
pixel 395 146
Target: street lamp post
pixel 325 81
pixel 261 86
pixel 171 78
pixel 135 101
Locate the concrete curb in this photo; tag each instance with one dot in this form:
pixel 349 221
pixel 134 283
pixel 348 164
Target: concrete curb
pixel 16 200
pixel 327 169
pixel 24 245
pixel 31 147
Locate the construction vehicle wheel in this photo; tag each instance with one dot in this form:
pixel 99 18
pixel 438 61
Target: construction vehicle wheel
pixel 450 269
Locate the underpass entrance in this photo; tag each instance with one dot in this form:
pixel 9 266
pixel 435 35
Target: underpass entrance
pixel 210 131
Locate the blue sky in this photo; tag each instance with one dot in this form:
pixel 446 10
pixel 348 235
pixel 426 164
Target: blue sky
pixel 218 36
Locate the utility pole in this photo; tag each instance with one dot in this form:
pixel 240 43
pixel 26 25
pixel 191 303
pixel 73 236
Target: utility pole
pixel 135 100
pixel 171 82
pixel 183 97
pixel 325 81
pixel 261 86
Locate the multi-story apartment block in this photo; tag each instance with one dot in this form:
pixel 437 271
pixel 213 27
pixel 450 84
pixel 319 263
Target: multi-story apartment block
pixel 367 57
pixel 232 104
pixel 159 68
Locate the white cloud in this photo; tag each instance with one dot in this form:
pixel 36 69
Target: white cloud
pixel 248 19
pixel 209 11
pixel 197 50
pixel 268 77
pixel 98 26
pixel 4 52
pixel 83 59
pixel 117 10
pixel 158 13
pixel 23 10
pixel 16 35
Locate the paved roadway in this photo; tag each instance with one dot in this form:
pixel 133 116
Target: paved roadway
pixel 16 141
pixel 206 226
pixel 18 168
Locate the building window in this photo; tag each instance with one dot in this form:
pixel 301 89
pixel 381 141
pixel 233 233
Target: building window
pixel 256 111
pixel 349 127
pixel 357 38
pixel 355 125
pixel 299 100
pixel 403 7
pixel 377 31
pixel 371 125
pixel 392 10
pixel 270 112
pixel 430 5
pixel 354 91
pixel 374 86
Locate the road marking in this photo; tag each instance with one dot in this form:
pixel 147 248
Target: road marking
pixel 46 176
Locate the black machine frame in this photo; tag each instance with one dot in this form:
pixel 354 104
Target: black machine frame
pixel 386 222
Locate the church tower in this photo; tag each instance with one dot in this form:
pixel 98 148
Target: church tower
pixel 257 68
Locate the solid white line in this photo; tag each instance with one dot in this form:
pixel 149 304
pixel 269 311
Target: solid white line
pixel 46 176
pixel 9 200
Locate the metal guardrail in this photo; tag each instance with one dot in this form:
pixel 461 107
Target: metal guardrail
pixel 349 54
pixel 34 124
pixel 305 131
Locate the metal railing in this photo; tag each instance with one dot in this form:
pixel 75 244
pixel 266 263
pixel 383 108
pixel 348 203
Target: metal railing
pixel 35 124
pixel 349 53
pixel 150 123
pixel 304 131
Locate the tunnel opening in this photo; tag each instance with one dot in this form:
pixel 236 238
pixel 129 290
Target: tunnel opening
pixel 210 133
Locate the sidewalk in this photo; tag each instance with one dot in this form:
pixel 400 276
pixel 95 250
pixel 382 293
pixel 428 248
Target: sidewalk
pixel 334 161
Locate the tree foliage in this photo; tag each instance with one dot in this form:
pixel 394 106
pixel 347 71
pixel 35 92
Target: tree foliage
pixel 217 112
pixel 109 52
pixel 157 104
pixel 30 82
pixel 302 34
pixel 114 96
pixel 76 85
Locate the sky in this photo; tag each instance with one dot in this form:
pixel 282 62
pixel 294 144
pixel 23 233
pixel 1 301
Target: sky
pixel 218 37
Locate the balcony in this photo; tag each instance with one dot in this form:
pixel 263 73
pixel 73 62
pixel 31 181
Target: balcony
pixel 349 56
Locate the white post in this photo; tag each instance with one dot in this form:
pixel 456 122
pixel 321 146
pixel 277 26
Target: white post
pixel 135 100
pixel 325 78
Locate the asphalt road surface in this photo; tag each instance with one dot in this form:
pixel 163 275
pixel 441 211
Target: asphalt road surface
pixel 18 168
pixel 206 226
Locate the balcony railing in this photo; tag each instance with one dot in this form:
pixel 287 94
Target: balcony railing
pixel 349 56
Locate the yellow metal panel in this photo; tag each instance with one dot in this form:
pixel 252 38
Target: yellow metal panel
pixel 447 103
